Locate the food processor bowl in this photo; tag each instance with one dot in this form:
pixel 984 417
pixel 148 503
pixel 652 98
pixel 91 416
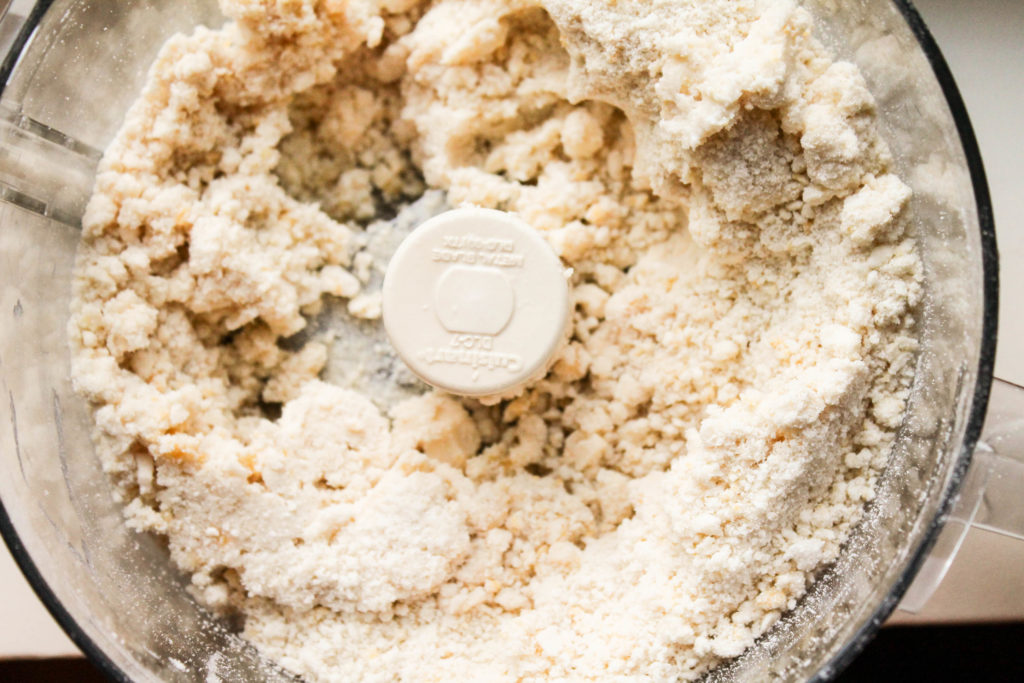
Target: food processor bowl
pixel 70 74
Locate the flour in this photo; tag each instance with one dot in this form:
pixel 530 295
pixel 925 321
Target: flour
pixel 741 345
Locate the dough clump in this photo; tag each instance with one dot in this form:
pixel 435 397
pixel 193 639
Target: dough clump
pixel 740 354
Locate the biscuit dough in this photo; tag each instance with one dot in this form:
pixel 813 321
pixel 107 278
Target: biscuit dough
pixel 740 354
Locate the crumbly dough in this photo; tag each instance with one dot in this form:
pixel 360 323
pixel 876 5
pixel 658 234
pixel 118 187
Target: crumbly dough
pixel 740 353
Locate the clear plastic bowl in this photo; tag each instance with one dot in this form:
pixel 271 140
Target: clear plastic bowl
pixel 71 73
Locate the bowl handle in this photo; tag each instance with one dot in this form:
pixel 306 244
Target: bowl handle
pixel 990 497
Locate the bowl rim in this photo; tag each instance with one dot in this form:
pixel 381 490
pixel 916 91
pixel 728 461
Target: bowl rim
pixel 986 355
pixel 976 415
pixel 28 567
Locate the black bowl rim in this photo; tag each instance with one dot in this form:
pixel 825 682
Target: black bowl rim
pixel 987 352
pixel 976 417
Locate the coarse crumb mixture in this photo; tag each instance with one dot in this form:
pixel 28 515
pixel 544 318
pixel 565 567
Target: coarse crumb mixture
pixel 741 349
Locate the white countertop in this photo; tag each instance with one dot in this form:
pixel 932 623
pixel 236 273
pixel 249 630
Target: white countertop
pixel 982 42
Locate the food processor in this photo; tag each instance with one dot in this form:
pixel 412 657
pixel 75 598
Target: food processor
pixel 72 69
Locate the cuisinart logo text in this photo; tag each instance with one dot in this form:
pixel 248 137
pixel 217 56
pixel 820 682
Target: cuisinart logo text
pixel 478 250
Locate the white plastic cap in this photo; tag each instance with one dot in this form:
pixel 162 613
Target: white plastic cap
pixel 476 302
